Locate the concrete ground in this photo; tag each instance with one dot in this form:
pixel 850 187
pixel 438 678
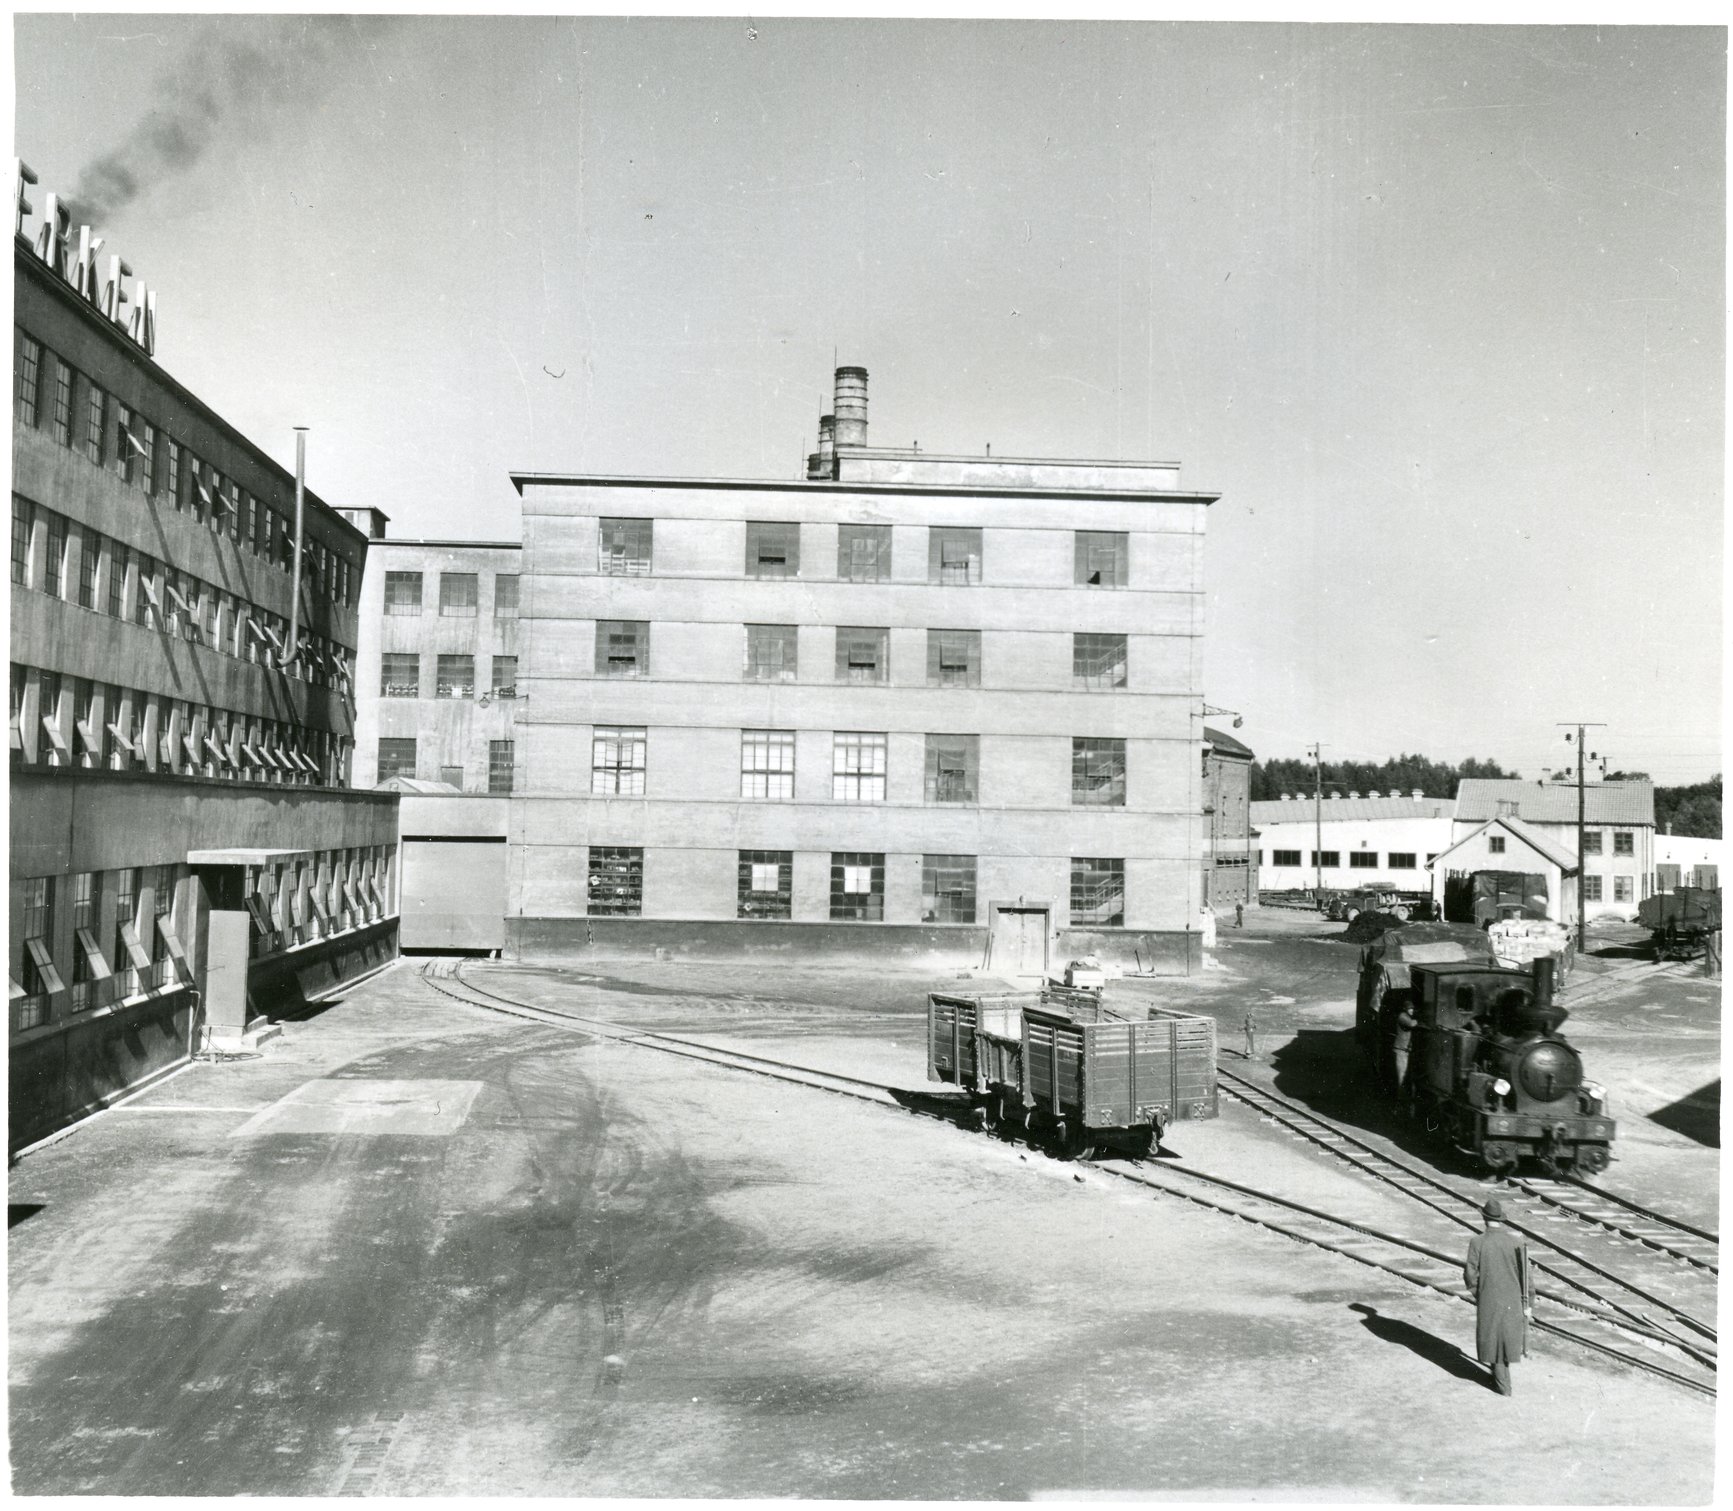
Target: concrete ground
pixel 416 1248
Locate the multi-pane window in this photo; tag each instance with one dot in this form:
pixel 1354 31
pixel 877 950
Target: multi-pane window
pixel 767 763
pixel 500 760
pixel 458 595
pixel 766 885
pixel 622 647
pixel 62 403
pixel 88 964
pixel 953 768
pixel 27 380
pixel 1362 860
pixel 1326 860
pixel 857 886
pixel 1402 860
pixel 1624 843
pixel 148 600
pixel 505 595
pixel 1591 889
pixel 1591 842
pixel 947 889
pixel 772 550
pixel 1284 857
pixel 1098 773
pixel 953 554
pixel 400 675
pixel 396 757
pixel 162 901
pixel 95 418
pixel 125 457
pixel 86 727
pixel 863 655
pixel 174 475
pixel 118 558
pixel 772 652
pixel 403 592
pixel 1097 892
pixel 1098 661
pixel 1102 557
pixel 40 977
pixel 126 941
pixel 505 676
pixel 953 658
pixel 863 553
pixel 624 547
pixel 1622 886
pixel 858 768
pixel 54 557
pixel 616 881
pixel 617 758
pixel 147 438
pixel 48 706
pixel 1495 844
pixel 454 677
pixel 22 514
pixel 89 547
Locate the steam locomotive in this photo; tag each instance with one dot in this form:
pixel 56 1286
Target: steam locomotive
pixel 1474 1052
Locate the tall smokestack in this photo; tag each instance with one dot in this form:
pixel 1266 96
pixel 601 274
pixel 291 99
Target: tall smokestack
pixel 822 463
pixel 851 406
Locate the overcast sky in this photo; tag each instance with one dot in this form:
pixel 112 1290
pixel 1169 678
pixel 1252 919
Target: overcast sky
pixel 1437 310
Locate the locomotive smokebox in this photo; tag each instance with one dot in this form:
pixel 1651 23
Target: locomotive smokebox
pixel 1540 1014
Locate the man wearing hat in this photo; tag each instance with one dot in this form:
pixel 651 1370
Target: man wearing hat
pixel 1497 1275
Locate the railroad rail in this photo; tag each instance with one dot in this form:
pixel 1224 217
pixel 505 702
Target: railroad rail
pixel 1607 1329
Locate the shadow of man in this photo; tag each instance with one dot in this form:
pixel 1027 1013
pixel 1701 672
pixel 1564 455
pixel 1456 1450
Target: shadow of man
pixel 1447 1356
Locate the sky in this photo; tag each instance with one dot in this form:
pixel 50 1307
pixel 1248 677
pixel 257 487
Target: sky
pixel 1437 310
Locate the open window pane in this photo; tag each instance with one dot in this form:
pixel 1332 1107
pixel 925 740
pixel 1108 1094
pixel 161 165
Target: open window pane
pixel 772 549
pixel 1098 661
pixel 863 655
pixel 624 547
pixel 622 648
pixel 863 553
pixel 766 886
pixel 772 652
pixel 1097 893
pixel 947 889
pixel 953 554
pixel 953 768
pixel 857 886
pixel 617 761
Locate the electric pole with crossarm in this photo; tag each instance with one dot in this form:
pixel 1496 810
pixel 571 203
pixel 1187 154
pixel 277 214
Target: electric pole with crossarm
pixel 1582 879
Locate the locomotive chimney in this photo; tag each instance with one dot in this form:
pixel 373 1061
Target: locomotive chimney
pixel 1543 971
pixel 851 406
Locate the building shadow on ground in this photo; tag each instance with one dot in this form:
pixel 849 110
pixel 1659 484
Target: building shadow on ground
pixel 21 1211
pixel 1430 1347
pixel 1697 1116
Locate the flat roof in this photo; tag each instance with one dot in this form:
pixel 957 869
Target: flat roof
pixel 520 480
pixel 451 545
pixel 245 855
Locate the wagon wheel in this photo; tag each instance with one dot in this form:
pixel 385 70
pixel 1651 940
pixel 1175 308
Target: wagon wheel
pixel 1070 1139
pixel 1350 914
pixel 1400 913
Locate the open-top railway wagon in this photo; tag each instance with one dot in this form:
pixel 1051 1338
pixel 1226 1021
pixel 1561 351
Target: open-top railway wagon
pixel 1070 1071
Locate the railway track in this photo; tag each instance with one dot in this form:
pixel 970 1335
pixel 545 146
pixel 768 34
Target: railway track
pixel 1602 1327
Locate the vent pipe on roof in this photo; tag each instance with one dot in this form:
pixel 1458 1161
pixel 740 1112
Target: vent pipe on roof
pixel 1417 793
pixel 851 406
pixel 292 646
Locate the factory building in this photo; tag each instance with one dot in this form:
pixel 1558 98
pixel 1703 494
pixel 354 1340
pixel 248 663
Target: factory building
pixel 910 704
pixel 1229 870
pixel 1375 839
pixel 185 854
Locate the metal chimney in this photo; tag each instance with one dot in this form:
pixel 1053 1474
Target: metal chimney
pixel 851 406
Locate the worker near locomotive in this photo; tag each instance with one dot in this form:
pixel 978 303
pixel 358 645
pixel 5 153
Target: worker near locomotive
pixel 1497 1275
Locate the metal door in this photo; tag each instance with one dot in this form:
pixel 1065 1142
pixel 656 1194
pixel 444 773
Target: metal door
pixel 1020 942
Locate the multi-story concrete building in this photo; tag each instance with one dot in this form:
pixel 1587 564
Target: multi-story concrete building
pixel 183 849
pixel 1229 871
pixel 912 702
pixel 1375 840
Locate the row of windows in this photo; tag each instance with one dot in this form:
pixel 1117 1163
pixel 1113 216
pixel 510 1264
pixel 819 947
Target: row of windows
pixel 459 594
pixel 765 887
pixel 454 676
pixel 625 547
pixel 1624 888
pixel 863 655
pixel 1358 860
pixel 74 721
pixel 1624 842
pixel 398 758
pixel 80 565
pixel 329 892
pixel 49 393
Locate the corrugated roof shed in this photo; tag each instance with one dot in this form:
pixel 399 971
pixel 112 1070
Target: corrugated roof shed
pixel 1301 809
pixel 1477 798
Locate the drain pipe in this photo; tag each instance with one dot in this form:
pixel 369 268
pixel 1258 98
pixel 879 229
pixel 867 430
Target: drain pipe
pixel 293 646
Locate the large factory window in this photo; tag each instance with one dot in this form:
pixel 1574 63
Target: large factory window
pixel 767 763
pixel 396 758
pixel 22 514
pixel 505 587
pixel 947 889
pixel 27 380
pixel 622 647
pixel 953 658
pixel 457 595
pixel 953 768
pixel 857 886
pixel 1362 860
pixel 126 943
pixel 118 562
pixel 89 553
pixel 1097 893
pixel 95 419
pixel 772 653
pixel 454 677
pixel 1098 773
pixel 1102 558
pixel 162 926
pixel 54 557
pixel 625 547
pixel 88 964
pixel 772 550
pixel 400 675
pixel 1098 661
pixel 617 758
pixel 766 885
pixel 858 768
pixel 1402 860
pixel 616 881
pixel 863 655
pixel 1326 860
pixel 953 554
pixel 62 425
pixel 505 676
pixel 1284 857
pixel 863 553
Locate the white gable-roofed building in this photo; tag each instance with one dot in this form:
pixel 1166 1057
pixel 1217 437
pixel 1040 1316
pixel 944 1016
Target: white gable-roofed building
pixel 1507 844
pixel 1367 840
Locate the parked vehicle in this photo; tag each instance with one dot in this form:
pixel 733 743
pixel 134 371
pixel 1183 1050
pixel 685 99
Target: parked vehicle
pixel 1347 906
pixel 1484 897
pixel 1680 922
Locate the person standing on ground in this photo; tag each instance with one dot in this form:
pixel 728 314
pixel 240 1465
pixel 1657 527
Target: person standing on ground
pixel 1239 915
pixel 1497 1274
pixel 1251 1027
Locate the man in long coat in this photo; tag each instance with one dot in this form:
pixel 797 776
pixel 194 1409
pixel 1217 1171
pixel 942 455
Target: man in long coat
pixel 1497 1275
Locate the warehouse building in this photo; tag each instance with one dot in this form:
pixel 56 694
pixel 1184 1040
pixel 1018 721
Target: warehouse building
pixel 1229 870
pixel 912 703
pixel 184 852
pixel 1375 839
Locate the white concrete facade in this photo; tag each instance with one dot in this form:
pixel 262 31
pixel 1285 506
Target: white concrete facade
pixel 1382 841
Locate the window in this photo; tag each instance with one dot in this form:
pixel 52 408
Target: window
pixel 863 553
pixel 86 726
pixel 1402 860
pixel 1622 887
pixel 40 976
pixel 1284 857
pixel 622 647
pixel 953 554
pixel 1591 842
pixel 54 557
pixel 1097 893
pixel 953 658
pixel 22 515
pixel 403 592
pixel 148 599
pixel 396 758
pixel 89 547
pixel 500 758
pixel 88 964
pixel 766 885
pixel 953 768
pixel 617 761
pixel 1624 843
pixel 118 556
pixel 162 909
pixel 1495 844
pixel 772 653
pixel 616 881
pixel 95 417
pixel 772 550
pixel 454 677
pixel 1098 773
pixel 125 457
pixel 863 655
pixel 174 474
pixel 1362 860
pixel 858 768
pixel 147 457
pixel 947 889
pixel 505 676
pixel 1102 556
pixel 57 750
pixel 1591 889
pixel 1098 661
pixel 857 886
pixel 400 675
pixel 27 380
pixel 624 548
pixel 767 763
pixel 505 595
pixel 452 776
pixel 62 403
pixel 126 949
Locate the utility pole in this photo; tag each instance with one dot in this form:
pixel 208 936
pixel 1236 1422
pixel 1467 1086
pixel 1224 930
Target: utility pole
pixel 1316 753
pixel 1582 878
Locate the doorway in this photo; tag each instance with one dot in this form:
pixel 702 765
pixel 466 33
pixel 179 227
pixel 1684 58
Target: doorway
pixel 1020 941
